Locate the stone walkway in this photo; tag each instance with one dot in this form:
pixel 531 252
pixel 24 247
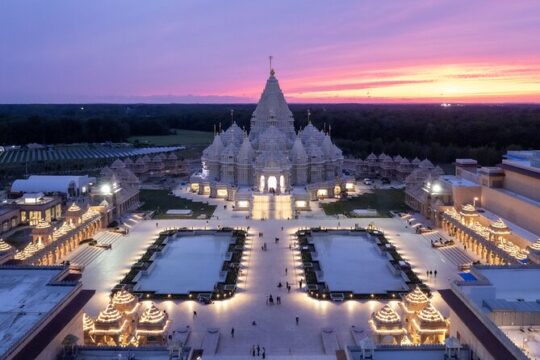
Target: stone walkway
pixel 276 329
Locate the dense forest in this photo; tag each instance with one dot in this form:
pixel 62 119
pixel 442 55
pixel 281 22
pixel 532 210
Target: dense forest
pixel 483 132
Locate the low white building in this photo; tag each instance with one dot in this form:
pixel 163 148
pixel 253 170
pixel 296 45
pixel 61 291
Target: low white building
pixel 68 185
pixel 495 310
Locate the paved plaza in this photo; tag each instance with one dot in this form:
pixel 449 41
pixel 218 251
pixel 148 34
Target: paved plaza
pixel 275 327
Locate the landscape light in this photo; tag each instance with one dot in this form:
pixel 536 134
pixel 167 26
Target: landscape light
pixel 105 189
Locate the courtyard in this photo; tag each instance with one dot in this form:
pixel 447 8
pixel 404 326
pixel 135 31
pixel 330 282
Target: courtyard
pixel 262 271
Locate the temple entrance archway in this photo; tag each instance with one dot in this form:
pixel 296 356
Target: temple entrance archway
pixel 272 184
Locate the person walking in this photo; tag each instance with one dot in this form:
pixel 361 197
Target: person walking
pixel 232 332
pixel 286 270
pixel 297 320
pixel 263 353
pixel 194 314
pixel 300 283
pixel 258 350
pixel 253 351
pixel 435 273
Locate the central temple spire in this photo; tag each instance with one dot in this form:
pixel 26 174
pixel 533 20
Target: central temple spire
pixel 272 72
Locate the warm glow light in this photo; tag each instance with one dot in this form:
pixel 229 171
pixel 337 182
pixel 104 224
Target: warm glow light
pixel 105 189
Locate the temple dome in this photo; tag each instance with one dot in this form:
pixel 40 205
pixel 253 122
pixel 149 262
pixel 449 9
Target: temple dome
pixel 118 164
pixel 272 108
pixel 386 318
pixel 4 246
pixel 229 153
pixel 272 139
pixel 311 135
pixel 327 147
pixel 298 152
pixel 315 153
pixel 246 152
pixel 233 135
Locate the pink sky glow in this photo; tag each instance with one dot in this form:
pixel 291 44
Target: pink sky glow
pixel 126 51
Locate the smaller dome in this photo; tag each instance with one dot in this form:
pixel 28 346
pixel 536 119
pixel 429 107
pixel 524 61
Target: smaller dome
pixel 128 162
pixel 426 164
pixel 229 153
pixel 535 246
pixel 88 322
pixel 386 318
pixel 4 246
pixel 315 152
pixel 371 157
pixel 416 297
pixel 74 208
pixel 499 228
pixel 118 164
pixel 272 139
pixel 245 154
pixel 233 135
pixel 123 297
pixel 404 161
pixel 431 318
pixel 152 315
pixel 416 161
pixel 468 211
pixel 109 315
pixel 298 152
pixel 43 225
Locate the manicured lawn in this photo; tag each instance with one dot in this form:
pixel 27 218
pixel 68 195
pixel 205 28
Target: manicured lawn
pixel 182 137
pixel 381 200
pixel 160 201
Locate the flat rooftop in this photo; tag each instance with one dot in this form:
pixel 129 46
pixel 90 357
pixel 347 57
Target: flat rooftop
pixel 458 181
pixel 514 283
pixel 26 298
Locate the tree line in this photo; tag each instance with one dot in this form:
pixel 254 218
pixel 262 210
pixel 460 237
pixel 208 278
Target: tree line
pixel 483 132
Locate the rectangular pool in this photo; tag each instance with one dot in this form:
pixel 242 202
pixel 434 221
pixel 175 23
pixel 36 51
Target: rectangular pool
pixel 353 263
pixel 189 263
pixel 467 276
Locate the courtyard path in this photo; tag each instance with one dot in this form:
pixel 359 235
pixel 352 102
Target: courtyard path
pixel 276 329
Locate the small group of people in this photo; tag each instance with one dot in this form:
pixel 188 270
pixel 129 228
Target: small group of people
pixel 256 350
pixel 287 285
pixel 270 300
pixel 430 273
pixel 264 247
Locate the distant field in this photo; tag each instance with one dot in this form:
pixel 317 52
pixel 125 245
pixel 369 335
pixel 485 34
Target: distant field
pixel 182 137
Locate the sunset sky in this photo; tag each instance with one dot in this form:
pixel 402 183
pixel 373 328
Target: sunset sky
pixel 217 51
